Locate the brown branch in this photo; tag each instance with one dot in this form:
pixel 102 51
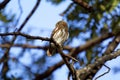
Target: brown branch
pixel 83 4
pixel 4 3
pixel 77 49
pixel 70 66
pixel 6 55
pixel 113 44
pixel 81 48
pixel 65 59
pixel 31 46
pixel 24 46
pixel 29 16
pixel 111 47
pixel 90 43
pixel 49 71
pixel 74 50
pixel 79 2
pixel 91 68
pixel 24 35
pixel 70 57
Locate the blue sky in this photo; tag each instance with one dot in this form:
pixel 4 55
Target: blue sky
pixel 43 22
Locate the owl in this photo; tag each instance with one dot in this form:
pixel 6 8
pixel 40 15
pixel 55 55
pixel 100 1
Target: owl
pixel 60 34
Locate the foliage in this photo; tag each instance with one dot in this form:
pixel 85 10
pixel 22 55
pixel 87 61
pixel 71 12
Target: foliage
pixel 55 2
pixel 104 18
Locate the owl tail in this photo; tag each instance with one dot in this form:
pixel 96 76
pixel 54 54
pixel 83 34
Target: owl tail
pixel 51 50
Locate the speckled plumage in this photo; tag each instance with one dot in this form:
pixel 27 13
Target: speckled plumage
pixel 60 34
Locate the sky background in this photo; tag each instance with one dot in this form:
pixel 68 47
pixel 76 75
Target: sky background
pixel 42 24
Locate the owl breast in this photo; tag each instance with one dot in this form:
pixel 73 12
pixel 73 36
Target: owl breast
pixel 60 36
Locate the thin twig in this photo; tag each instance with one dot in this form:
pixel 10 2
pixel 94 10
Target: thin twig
pixel 70 57
pixel 104 72
pixel 21 11
pixel 6 55
pixel 49 71
pixel 92 42
pixel 29 16
pixel 67 10
pixel 69 74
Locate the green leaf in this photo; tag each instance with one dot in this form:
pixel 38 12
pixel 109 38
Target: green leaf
pixel 6 18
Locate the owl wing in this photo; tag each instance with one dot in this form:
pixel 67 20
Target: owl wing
pixel 54 31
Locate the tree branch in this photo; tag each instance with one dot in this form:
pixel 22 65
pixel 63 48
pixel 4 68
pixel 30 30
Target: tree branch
pixel 91 68
pixel 4 3
pixel 92 42
pixel 74 50
pixel 24 46
pixel 24 35
pixel 83 4
pixel 19 17
pixel 49 71
pixel 68 8
pixel 31 46
pixel 14 38
pixel 113 44
pixel 6 55
pixel 29 16
pixel 104 72
pixel 65 59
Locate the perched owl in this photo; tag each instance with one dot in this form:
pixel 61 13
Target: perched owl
pixel 60 34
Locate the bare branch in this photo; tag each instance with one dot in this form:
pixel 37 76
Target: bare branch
pixel 104 72
pixel 25 35
pixel 88 44
pixel 31 46
pixel 21 11
pixel 113 44
pixel 83 4
pixel 24 46
pixel 74 50
pixel 85 72
pixel 49 71
pixel 6 55
pixel 91 43
pixel 69 76
pixel 29 16
pixel 4 3
pixel 79 2
pixel 65 59
pixel 70 57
